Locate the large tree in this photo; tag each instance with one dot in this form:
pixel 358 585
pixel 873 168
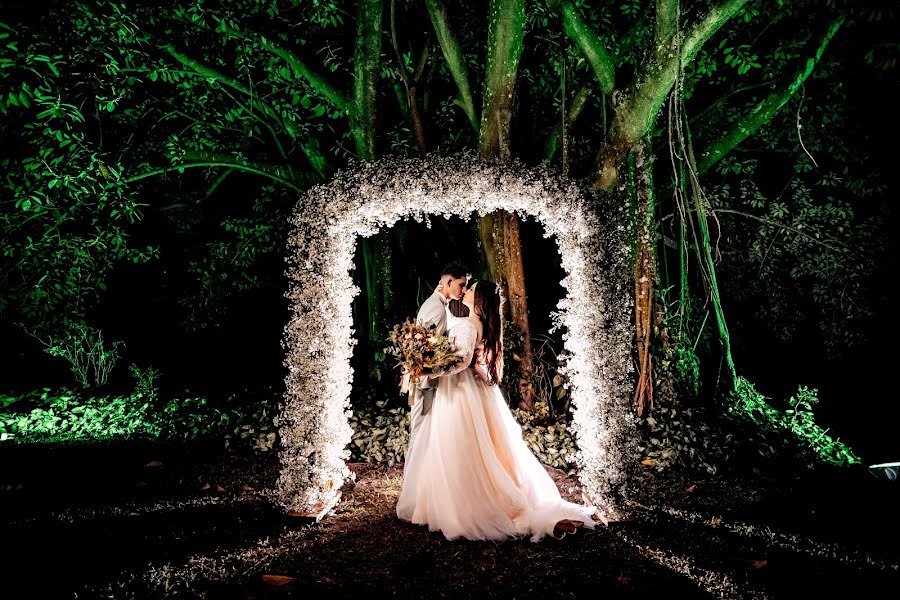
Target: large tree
pixel 117 110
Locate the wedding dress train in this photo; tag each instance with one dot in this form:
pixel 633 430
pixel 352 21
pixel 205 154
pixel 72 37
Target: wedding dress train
pixel 469 473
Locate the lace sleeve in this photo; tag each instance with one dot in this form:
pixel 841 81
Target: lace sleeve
pixel 464 336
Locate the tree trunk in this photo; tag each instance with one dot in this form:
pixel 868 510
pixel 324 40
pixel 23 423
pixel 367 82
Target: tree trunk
pixel 367 63
pixel 499 232
pixel 378 275
pixel 377 249
pixel 455 60
pixel 640 188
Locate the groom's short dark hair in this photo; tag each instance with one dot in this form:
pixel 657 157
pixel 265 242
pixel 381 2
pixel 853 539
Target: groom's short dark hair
pixel 455 269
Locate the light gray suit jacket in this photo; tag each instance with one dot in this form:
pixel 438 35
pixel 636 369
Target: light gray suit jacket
pixel 432 311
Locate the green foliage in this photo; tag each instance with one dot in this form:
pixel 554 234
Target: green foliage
pixel 675 342
pixel 550 386
pixel 66 416
pixel 67 221
pixel 236 262
pixel 145 381
pixel 805 249
pixel 798 207
pixel 796 424
pixel 252 427
pixel 549 438
pixel 381 435
pixel 46 417
pixel 512 363
pixel 739 57
pixel 690 438
pixel 83 348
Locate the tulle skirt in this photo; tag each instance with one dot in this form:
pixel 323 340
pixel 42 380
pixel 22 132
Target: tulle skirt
pixel 470 474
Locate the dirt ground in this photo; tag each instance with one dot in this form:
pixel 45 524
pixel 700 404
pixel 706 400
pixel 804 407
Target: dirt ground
pixel 148 521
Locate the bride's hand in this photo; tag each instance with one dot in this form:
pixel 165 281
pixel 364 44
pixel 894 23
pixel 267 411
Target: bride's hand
pixel 481 373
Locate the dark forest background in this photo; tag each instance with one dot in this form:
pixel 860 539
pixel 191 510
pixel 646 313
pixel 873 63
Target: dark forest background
pixel 202 300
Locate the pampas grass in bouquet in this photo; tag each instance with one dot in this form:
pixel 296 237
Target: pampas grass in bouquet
pixel 418 348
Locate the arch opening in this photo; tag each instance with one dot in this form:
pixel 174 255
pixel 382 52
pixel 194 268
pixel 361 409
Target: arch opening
pixel 594 313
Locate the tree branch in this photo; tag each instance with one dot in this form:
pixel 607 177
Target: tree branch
pixel 215 184
pixel 206 70
pixel 268 171
pixel 504 50
pixel 590 44
pixel 646 95
pixel 410 84
pixel 367 58
pixel 318 82
pixel 666 23
pixel 313 154
pixel 763 111
pixel 453 55
pixel 701 31
pixel 575 109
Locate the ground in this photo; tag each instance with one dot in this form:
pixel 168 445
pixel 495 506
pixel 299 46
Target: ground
pixel 141 520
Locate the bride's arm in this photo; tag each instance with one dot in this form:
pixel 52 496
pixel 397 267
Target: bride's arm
pixel 465 346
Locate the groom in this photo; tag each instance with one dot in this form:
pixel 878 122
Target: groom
pixel 454 278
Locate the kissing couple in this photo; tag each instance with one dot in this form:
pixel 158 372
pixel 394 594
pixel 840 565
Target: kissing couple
pixel 468 473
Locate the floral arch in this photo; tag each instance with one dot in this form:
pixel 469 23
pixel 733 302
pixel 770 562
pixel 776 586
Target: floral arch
pixel 595 315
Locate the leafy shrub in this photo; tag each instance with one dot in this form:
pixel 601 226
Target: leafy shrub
pixel 381 434
pixel 83 347
pixel 145 380
pixel 686 438
pixel 795 425
pixel 549 438
pixel 253 427
pixel 44 416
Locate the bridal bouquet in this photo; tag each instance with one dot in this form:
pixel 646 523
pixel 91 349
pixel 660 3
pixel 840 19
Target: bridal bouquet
pixel 418 348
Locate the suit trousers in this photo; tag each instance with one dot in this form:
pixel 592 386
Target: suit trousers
pixel 422 402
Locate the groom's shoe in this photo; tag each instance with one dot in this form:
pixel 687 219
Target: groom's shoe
pixel 567 526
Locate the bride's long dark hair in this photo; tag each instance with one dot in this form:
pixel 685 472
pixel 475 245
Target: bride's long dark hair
pixel 488 305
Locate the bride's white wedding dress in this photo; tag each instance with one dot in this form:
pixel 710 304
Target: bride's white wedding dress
pixel 469 473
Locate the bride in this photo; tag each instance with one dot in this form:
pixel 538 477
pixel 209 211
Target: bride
pixel 468 472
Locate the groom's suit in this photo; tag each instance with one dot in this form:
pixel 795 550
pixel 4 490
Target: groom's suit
pixel 432 311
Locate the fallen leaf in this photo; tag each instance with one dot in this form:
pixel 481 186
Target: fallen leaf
pixel 648 462
pixel 219 488
pixel 691 489
pixel 277 579
pixel 154 463
pixel 247 488
pixel 204 487
pixel 757 564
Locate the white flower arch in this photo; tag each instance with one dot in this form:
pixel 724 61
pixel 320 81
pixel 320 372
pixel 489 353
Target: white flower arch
pixel 359 201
